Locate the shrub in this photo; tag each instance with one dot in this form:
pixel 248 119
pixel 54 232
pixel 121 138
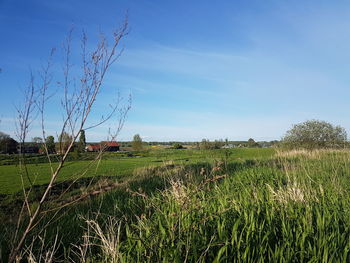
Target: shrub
pixel 177 146
pixel 315 134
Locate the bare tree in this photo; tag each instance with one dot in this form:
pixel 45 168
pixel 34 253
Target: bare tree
pixel 77 104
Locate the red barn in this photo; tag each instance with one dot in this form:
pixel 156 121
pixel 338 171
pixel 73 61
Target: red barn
pixel 112 146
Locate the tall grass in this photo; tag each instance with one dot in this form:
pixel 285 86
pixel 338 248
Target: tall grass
pixel 293 207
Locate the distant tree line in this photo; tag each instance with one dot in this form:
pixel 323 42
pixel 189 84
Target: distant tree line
pixel 313 134
pixel 10 146
pixel 203 144
pixel 206 144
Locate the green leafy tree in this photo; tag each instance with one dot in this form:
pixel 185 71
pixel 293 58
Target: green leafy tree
pixel 315 134
pixel 137 142
pixel 50 144
pixel 82 141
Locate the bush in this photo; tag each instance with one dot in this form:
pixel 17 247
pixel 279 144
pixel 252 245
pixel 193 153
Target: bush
pixel 315 134
pixel 177 146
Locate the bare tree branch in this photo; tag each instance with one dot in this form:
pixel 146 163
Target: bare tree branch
pixel 77 103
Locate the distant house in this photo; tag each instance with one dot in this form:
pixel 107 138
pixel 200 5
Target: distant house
pixel 93 147
pixel 110 146
pixel 106 146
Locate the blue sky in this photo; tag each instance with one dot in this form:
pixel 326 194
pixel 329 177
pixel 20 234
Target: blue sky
pixel 195 69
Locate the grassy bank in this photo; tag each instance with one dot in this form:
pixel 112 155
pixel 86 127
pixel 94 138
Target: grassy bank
pixel 289 207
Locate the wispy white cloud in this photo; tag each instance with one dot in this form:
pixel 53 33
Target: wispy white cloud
pixel 195 63
pixel 294 68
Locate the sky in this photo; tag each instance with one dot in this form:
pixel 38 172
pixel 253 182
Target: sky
pixel 195 69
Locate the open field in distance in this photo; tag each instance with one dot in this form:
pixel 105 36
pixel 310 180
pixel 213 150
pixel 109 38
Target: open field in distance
pixel 118 165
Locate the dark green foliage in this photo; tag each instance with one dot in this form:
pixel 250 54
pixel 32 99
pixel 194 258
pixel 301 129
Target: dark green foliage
pixel 50 144
pixel 82 142
pixel 7 144
pixel 315 134
pixel 177 146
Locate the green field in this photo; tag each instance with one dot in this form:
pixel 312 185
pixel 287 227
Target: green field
pixel 242 205
pixel 115 165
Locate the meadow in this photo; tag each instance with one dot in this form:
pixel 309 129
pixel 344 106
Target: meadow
pixel 117 165
pixel 239 205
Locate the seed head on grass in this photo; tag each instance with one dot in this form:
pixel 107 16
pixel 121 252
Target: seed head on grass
pixel 107 239
pixel 293 191
pixel 178 193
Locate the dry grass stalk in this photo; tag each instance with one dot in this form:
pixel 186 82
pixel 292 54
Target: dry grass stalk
pixel 309 154
pixel 293 191
pixel 178 192
pixel 108 239
pixel 139 193
pixel 42 255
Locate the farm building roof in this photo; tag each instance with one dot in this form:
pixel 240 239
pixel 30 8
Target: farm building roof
pixel 110 144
